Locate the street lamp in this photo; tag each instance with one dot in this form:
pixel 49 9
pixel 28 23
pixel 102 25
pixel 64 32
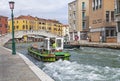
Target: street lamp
pixel 11 4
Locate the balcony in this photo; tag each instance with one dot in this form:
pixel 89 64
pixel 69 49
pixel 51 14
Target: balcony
pixel 83 9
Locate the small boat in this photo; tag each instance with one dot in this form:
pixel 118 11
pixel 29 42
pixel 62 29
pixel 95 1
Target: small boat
pixel 47 53
pixel 71 46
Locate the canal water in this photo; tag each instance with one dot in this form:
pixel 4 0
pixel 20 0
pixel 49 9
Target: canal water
pixel 85 64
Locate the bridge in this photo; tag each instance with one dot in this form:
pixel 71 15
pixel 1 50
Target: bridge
pixel 19 34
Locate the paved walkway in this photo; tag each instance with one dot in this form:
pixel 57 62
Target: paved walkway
pixel 19 68
pixel 13 68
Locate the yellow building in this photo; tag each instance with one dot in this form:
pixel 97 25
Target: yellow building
pixel 34 23
pixel 54 27
pixel 22 23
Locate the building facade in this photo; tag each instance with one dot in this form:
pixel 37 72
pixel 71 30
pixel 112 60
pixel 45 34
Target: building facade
pixel 3 25
pixel 65 33
pixel 30 23
pixel 117 14
pixel 22 23
pixel 78 18
pixel 101 21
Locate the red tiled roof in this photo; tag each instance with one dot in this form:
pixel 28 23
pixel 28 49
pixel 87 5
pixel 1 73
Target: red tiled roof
pixel 25 17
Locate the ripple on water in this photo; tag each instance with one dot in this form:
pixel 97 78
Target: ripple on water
pixel 72 71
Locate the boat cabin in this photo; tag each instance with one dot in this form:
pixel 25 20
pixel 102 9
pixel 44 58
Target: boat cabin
pixel 53 43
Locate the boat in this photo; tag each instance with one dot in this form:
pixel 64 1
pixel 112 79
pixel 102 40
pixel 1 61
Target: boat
pixel 48 53
pixel 71 46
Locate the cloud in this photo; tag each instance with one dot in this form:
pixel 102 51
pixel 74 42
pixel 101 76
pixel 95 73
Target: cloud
pixel 52 9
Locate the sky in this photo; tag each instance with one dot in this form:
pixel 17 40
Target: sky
pixel 48 9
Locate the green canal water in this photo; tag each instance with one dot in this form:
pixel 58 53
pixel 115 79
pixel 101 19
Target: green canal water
pixel 86 64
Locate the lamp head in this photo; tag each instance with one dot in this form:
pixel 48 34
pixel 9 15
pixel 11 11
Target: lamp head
pixel 11 4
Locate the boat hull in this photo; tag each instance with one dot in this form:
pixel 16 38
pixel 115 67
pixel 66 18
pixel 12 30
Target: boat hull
pixel 45 57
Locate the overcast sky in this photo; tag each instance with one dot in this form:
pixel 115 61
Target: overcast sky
pixel 49 9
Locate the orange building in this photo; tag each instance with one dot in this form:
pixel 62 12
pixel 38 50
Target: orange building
pixel 3 25
pixel 101 21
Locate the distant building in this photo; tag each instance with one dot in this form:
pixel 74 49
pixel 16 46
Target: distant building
pixel 34 23
pixel 65 32
pixel 54 27
pixel 117 14
pixel 78 18
pixel 22 23
pixel 101 21
pixel 3 25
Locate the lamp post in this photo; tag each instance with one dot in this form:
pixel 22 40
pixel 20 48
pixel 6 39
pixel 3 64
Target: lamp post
pixel 11 4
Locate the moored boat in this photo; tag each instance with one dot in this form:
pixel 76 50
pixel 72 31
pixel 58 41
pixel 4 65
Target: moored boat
pixel 71 46
pixel 48 53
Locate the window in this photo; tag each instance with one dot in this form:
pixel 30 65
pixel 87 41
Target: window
pixel 93 4
pixel 17 27
pixel 43 23
pixel 59 42
pixel 43 28
pixel 118 27
pixel 83 25
pixel 118 6
pixel 49 28
pixel 112 15
pixel 83 15
pixel 112 33
pixel 23 27
pixel 83 5
pixel 107 33
pixel 100 3
pixel 107 16
pixel 74 13
pixel 96 4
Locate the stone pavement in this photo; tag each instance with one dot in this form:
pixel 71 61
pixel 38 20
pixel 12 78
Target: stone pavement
pixel 19 68
pixel 13 68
